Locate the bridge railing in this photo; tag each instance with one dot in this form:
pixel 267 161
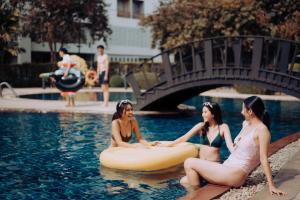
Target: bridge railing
pixel 238 57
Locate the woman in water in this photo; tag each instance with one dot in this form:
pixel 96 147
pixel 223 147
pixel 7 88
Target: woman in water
pixel 251 148
pixel 212 133
pixel 123 124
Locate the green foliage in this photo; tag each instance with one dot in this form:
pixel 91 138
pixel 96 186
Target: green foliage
pixel 180 21
pixel 23 75
pixel 283 18
pixel 140 78
pixel 64 21
pixel 9 28
pixel 116 81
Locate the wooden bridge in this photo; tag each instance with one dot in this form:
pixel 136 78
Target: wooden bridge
pixel 175 75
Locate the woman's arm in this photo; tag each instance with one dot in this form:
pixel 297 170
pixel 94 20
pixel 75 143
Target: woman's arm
pixel 188 135
pixel 264 141
pixel 227 136
pixel 117 138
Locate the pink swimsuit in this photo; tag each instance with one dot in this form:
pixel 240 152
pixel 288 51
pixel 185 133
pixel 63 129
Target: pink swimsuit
pixel 246 155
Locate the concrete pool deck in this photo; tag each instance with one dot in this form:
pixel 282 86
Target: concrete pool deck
pixel 10 103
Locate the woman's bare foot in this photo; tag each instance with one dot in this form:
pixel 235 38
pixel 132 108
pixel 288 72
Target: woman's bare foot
pixel 185 183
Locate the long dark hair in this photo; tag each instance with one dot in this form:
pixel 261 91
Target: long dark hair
pixel 120 109
pixel 256 104
pixel 215 109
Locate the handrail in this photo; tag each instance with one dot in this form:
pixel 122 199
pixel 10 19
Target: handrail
pixel 263 59
pixel 214 38
pixel 9 87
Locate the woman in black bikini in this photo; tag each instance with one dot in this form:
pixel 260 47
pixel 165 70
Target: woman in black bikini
pixel 212 132
pixel 123 124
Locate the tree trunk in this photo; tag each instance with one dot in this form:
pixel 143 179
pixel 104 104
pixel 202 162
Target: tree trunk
pixel 1 57
pixel 51 43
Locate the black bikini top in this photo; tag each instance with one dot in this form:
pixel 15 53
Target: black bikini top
pixel 216 142
pixel 124 139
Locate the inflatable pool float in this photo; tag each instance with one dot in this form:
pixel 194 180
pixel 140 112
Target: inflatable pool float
pixel 91 77
pixel 65 84
pixel 147 159
pixel 69 83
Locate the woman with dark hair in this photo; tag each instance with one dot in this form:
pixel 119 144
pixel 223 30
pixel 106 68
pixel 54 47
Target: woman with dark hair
pixel 250 149
pixel 123 124
pixel 212 133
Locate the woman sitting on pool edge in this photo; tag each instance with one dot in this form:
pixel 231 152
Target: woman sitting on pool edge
pixel 123 124
pixel 251 147
pixel 212 133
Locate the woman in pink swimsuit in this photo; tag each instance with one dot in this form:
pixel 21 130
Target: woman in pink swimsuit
pixel 251 147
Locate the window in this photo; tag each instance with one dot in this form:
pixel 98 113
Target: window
pixel 130 8
pixel 137 8
pixel 123 8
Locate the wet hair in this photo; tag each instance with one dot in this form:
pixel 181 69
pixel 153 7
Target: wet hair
pixel 100 47
pixel 64 50
pixel 215 110
pixel 256 104
pixel 121 106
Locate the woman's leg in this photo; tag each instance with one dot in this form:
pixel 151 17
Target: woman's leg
pixel 68 101
pixel 72 98
pixel 213 172
pixel 105 90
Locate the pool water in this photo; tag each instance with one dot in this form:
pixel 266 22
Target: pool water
pixel 55 156
pixel 83 96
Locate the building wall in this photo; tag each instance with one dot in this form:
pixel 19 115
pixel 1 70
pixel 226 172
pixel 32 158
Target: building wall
pixel 128 43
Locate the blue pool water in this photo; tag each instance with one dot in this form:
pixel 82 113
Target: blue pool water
pixel 55 156
pixel 83 96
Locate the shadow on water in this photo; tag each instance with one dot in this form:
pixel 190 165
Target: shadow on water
pixel 141 181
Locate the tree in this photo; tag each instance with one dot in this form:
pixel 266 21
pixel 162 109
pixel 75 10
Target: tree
pixel 180 21
pixel 64 21
pixel 9 27
pixel 284 18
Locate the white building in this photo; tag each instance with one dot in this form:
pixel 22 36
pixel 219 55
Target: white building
pixel 128 42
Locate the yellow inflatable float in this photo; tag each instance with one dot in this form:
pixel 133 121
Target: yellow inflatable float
pixel 147 159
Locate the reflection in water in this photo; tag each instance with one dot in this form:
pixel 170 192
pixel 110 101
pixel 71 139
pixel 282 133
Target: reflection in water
pixel 103 133
pixel 141 181
pixel 91 96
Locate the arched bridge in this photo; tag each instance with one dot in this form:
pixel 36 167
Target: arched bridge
pixel 175 75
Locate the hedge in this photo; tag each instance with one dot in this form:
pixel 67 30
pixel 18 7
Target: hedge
pixel 116 81
pixel 23 75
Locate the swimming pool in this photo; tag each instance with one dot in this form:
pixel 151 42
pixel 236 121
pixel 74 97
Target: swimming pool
pixel 83 96
pixel 55 155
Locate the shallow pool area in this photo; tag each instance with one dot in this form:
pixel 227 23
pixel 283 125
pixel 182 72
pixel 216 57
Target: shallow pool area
pixel 55 155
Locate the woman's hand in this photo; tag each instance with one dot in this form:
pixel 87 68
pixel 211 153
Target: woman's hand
pixel 274 190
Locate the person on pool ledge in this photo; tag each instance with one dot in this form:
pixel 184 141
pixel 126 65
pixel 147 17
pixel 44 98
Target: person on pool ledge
pixel 212 133
pixel 251 147
pixel 123 124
